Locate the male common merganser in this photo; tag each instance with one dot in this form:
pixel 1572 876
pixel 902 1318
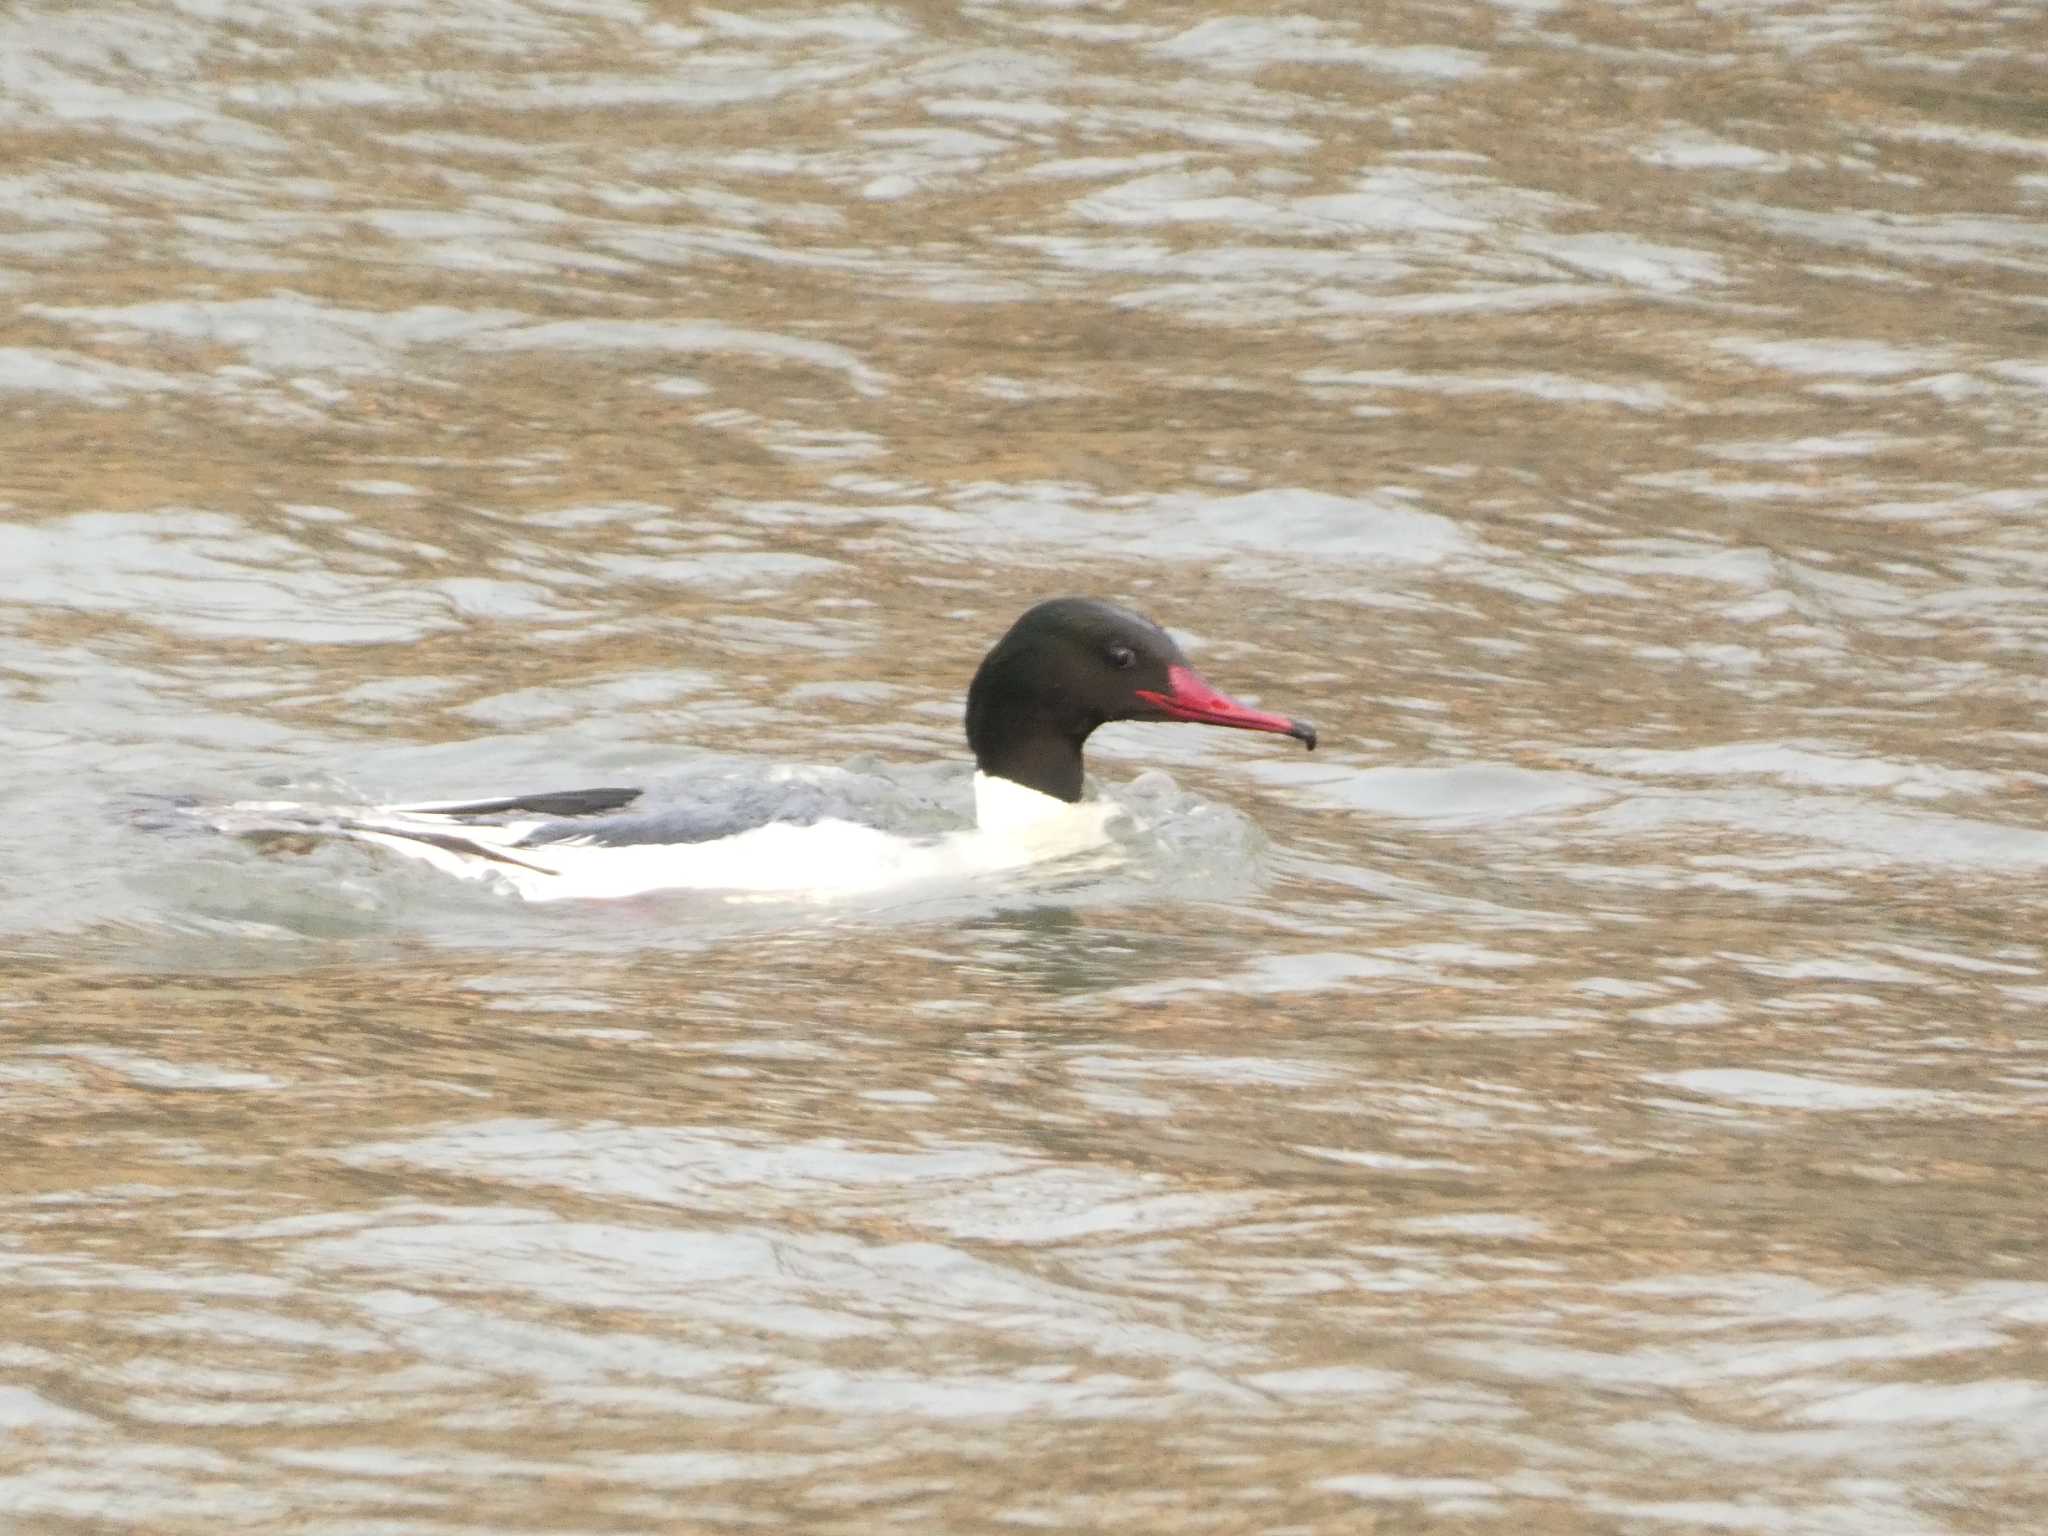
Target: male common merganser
pixel 1064 668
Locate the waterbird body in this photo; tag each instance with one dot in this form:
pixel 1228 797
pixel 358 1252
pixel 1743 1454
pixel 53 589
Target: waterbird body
pixel 1064 668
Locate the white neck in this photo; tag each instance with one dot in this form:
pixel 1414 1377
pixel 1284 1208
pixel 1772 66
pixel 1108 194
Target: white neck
pixel 1004 807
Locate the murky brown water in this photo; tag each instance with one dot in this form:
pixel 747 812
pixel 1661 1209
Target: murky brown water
pixel 1606 1094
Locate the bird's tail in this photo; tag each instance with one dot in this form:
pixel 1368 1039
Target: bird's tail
pixel 469 838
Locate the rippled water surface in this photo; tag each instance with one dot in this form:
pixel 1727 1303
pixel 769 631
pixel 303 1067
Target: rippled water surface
pixel 1602 1091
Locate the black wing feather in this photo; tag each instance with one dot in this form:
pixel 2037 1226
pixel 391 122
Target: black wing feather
pixel 448 840
pixel 560 803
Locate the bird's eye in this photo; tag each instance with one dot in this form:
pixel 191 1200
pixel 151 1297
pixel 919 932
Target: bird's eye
pixel 1121 656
